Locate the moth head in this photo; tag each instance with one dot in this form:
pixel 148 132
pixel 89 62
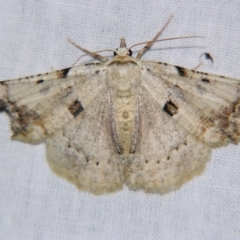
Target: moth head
pixel 122 51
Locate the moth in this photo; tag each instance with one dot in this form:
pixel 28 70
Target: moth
pixel 146 124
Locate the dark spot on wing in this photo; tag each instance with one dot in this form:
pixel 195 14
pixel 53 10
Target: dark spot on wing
pixel 163 63
pixel 75 108
pixel 63 73
pixel 40 81
pixel 205 80
pixel 92 63
pixel 89 64
pixel 170 108
pixel 181 71
pixel 66 92
pixel 21 115
pixel 45 89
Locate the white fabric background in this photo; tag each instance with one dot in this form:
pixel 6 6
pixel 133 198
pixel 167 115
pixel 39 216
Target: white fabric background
pixel 36 204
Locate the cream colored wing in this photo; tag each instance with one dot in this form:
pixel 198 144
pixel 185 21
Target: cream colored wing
pixel 69 110
pixel 208 106
pixel 83 150
pixel 182 115
pixel 39 105
pixel 167 154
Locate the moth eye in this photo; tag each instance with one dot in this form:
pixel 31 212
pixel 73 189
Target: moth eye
pixel 129 52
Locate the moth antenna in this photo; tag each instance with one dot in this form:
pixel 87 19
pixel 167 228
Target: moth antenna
pixel 92 54
pixel 84 55
pixel 149 44
pixel 166 39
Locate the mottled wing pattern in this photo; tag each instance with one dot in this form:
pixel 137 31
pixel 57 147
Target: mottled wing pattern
pixel 83 150
pixel 69 110
pixel 208 106
pixel 167 154
pixel 183 114
pixel 39 105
